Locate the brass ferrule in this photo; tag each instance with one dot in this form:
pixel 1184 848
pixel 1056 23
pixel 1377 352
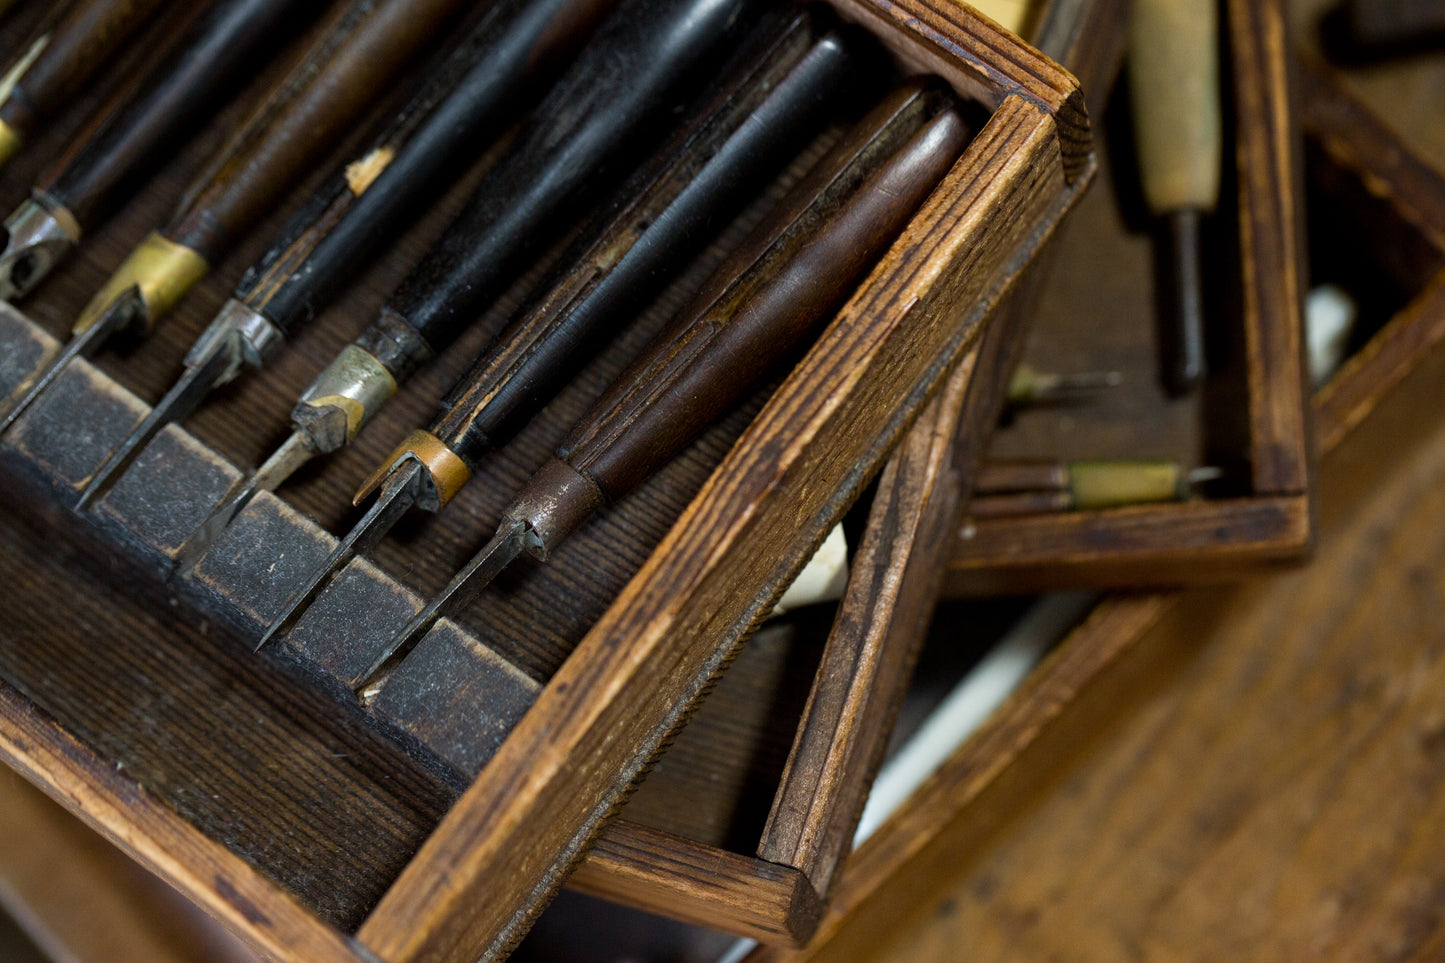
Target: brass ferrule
pixel 1103 484
pixel 157 274
pixel 343 398
pixel 449 474
pixel 10 142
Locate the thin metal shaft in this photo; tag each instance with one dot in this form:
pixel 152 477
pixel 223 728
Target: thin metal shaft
pixel 1184 342
pixel 183 398
pixel 284 461
pixel 464 587
pixel 82 345
pixel 397 495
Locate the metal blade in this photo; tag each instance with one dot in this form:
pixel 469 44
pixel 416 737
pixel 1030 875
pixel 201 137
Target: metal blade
pixel 183 398
pixel 294 452
pixel 463 589
pixel 82 345
pixel 399 494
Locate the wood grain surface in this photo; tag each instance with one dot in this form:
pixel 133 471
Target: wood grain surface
pixel 1259 779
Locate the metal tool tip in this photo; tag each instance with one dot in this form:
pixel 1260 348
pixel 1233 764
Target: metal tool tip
pixel 82 345
pixel 464 587
pixel 1200 476
pixel 183 398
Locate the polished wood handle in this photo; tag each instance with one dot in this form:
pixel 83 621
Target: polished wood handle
pixel 484 84
pixel 206 64
pixel 364 48
pixel 613 106
pixel 800 268
pixel 81 42
pixel 673 208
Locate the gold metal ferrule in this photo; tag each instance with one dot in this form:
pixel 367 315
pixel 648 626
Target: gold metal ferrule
pixel 159 272
pixel 10 142
pixel 1103 484
pixel 448 472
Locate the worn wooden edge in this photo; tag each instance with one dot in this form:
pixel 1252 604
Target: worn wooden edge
pixel 1269 161
pixel 1174 544
pixel 209 874
pixel 674 877
pixel 1139 545
pixel 869 656
pixel 505 847
pixel 982 61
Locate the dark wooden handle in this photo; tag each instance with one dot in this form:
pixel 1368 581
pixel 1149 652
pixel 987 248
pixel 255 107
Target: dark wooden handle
pixel 359 55
pixel 1017 504
pixel 614 104
pixel 801 267
pixel 673 209
pixel 997 477
pixel 82 41
pixel 483 85
pixel 206 64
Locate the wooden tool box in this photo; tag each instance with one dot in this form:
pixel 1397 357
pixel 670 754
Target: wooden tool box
pixel 1092 310
pixel 321 831
pixel 1376 209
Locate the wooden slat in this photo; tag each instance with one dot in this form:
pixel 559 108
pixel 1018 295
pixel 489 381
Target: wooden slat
pixel 506 845
pixel 882 621
pixel 1143 545
pixel 209 873
pixel 1271 237
pixel 680 879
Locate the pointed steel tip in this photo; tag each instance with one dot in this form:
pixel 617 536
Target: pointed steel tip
pixel 184 398
pixel 81 345
pixel 464 587
pixel 1199 476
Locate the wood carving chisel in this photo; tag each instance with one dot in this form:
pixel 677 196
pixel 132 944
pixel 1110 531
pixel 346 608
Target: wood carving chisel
pixel 763 121
pixel 60 62
pixel 1174 88
pixel 797 270
pixel 204 67
pixel 363 47
pixel 1029 386
pixel 477 91
pixel 620 96
pixel 1013 488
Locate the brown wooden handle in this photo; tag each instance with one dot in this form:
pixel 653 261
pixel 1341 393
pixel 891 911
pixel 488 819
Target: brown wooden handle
pixel 81 42
pixel 996 477
pixel 358 56
pixel 797 269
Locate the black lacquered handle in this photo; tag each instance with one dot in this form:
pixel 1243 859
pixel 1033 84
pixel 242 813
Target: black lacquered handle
pixel 363 48
pixel 482 86
pixel 866 193
pixel 611 107
pixel 768 114
pixel 206 65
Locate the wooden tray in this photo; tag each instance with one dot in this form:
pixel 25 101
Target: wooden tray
pixel 1372 196
pixel 1094 312
pixel 305 823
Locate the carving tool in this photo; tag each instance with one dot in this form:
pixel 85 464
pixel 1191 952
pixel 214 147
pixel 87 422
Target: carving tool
pixel 479 89
pixel 1174 87
pixel 1012 488
pixel 364 46
pixel 796 271
pixel 664 225
pixel 1383 28
pixel 1030 386
pixel 199 74
pixel 645 63
pixel 61 61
